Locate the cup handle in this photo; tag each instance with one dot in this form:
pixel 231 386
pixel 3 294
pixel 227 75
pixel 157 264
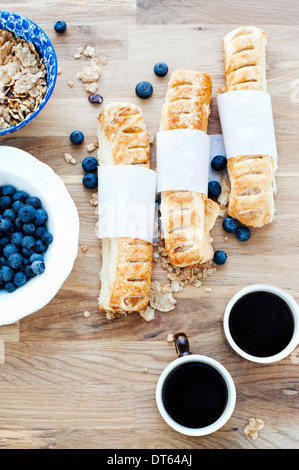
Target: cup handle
pixel 181 344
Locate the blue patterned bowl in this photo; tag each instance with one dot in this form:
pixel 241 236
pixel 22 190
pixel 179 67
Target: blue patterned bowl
pixel 26 29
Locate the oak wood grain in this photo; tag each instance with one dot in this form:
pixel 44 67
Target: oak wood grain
pixel 75 382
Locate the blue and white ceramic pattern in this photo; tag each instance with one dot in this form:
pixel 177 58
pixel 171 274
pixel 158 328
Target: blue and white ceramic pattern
pixel 28 30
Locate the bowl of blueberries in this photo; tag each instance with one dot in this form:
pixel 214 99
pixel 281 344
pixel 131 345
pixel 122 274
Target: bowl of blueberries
pixel 39 234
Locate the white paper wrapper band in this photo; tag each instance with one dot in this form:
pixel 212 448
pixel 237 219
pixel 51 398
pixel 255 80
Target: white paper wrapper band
pixel 183 160
pixel 126 202
pixel 247 123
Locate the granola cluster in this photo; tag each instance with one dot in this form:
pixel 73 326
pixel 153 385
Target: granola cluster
pixel 253 427
pixel 90 74
pixel 23 83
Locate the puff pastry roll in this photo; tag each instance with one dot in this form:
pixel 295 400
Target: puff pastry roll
pixel 126 262
pixel 187 216
pixel 252 177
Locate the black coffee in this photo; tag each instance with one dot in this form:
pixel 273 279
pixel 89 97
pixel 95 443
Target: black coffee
pixel 195 394
pixel 261 324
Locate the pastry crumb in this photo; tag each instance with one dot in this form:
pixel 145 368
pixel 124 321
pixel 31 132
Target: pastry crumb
pixel 148 313
pixel 77 56
pixel 69 158
pixel 224 196
pixel 170 338
pixel 103 59
pixel 161 297
pixel 145 370
pixel 151 137
pixel 94 201
pixel 59 71
pixel 70 83
pixel 208 289
pixel 87 314
pixel 253 427
pixel 90 74
pixel 92 146
pixel 84 248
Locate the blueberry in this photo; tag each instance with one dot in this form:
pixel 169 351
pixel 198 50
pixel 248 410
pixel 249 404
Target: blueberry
pixel 41 217
pixel 38 267
pixel 40 231
pixel 220 257
pixel 28 229
pixel 3 261
pixel 18 224
pixel 16 205
pixel 6 273
pixel 144 90
pixel 16 239
pixel 9 250
pixel 230 225
pixel 89 164
pixel 47 238
pixel 28 242
pixel 8 190
pixel 60 26
pixel 243 234
pixel 26 213
pixel 214 189
pixel 27 270
pixel 40 247
pixel 27 252
pixel 219 163
pixel 5 202
pixel 9 214
pixel 161 69
pixel 77 137
pixel 98 99
pixel 9 287
pixel 90 181
pixel 34 201
pixel 20 196
pixel 15 260
pixel 36 257
pixel 19 279
pixel 6 226
pixel 4 241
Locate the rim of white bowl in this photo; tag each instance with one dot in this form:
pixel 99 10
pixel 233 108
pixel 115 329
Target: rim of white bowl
pixel 230 406
pixel 290 302
pixel 38 179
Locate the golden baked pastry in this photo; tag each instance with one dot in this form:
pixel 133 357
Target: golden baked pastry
pixel 126 262
pixel 187 216
pixel 252 177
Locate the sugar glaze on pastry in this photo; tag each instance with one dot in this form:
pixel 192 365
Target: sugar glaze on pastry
pixel 126 262
pixel 252 177
pixel 187 216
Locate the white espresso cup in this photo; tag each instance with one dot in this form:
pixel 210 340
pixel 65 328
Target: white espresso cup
pixel 185 356
pixel 291 303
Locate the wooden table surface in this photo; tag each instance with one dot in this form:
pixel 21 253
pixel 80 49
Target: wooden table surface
pixel 70 381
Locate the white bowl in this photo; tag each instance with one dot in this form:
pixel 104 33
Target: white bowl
pixel 26 173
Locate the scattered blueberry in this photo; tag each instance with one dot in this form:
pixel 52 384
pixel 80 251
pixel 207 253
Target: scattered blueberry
pixel 89 164
pixel 98 99
pixel 214 189
pixel 161 69
pixel 144 90
pixel 90 181
pixel 60 26
pixel 219 163
pixel 243 234
pixel 77 137
pixel 38 267
pixel 230 225
pixel 220 257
